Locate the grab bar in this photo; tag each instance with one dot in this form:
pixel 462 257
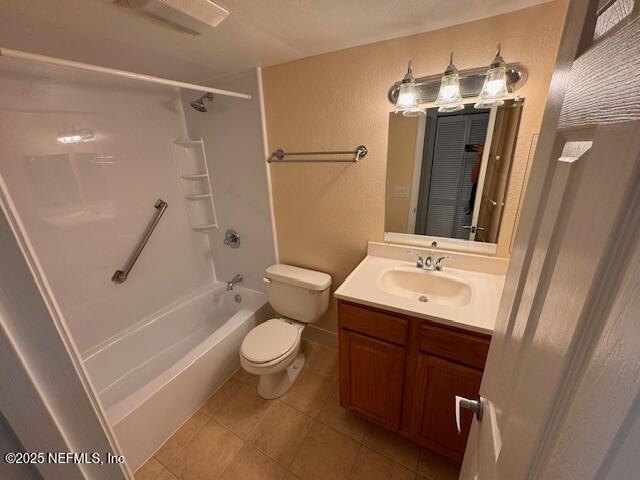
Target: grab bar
pixel 121 275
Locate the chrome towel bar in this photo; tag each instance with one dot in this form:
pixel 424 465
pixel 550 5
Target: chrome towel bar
pixel 279 156
pixel 121 275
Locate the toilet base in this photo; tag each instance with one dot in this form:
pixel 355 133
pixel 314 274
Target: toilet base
pixel 275 385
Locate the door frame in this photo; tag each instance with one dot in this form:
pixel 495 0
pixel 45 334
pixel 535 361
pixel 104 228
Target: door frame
pixel 483 171
pixel 424 184
pixel 416 179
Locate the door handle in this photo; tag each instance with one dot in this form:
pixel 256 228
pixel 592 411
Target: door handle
pixel 476 406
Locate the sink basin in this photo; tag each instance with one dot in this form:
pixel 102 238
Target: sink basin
pixel 425 286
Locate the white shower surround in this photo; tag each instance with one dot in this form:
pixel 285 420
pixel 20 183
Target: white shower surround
pixel 159 345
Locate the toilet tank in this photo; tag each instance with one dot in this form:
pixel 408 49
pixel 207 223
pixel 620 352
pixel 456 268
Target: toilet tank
pixel 298 293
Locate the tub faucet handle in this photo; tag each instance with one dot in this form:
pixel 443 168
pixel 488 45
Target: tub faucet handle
pixel 233 281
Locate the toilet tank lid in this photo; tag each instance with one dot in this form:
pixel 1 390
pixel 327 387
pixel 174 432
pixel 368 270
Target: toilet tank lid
pixel 300 277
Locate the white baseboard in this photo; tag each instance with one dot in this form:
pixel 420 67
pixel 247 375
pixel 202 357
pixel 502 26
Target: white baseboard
pixel 321 336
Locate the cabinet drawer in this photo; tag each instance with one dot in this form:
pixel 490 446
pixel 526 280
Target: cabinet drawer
pixel 374 323
pixel 461 347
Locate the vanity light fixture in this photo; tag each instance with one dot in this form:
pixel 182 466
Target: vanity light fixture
pixel 449 98
pixel 407 102
pixel 494 87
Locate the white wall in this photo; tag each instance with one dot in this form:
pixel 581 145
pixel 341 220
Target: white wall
pixel 232 133
pixel 85 206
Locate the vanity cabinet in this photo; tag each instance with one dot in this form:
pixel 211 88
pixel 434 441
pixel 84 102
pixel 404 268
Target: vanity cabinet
pixel 403 373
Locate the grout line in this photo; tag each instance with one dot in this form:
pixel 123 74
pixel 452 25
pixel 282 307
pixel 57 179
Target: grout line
pixel 338 431
pixel 382 454
pixel 233 459
pixel 353 466
pixel 385 455
pixel 325 402
pixel 244 443
pixel 185 445
pixel 199 409
pixel 162 469
pixel 304 439
pixel 295 455
pixel 299 443
pixel 314 417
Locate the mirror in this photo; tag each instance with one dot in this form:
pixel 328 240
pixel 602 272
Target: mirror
pixel 448 173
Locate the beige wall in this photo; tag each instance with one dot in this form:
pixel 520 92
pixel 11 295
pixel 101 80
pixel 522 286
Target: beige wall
pixel 401 156
pixel 326 213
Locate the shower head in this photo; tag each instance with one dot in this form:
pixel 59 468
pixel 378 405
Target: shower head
pixel 199 103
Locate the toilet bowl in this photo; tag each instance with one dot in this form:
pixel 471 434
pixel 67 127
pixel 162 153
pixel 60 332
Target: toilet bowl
pixel 272 349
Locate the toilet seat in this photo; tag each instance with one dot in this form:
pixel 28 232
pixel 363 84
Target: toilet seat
pixel 270 341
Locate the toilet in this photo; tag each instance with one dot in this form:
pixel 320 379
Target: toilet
pixel 272 349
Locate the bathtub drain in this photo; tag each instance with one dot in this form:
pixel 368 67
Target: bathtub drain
pixel 237 298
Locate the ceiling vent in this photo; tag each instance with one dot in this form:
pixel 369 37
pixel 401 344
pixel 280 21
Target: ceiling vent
pixel 193 16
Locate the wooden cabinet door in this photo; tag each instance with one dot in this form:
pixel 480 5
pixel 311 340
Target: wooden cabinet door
pixel 439 381
pixel 371 377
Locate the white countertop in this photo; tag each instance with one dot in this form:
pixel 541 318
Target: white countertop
pixel 478 315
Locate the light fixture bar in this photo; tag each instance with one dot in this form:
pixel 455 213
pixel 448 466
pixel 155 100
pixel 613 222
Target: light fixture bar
pixel 471 82
pixel 9 53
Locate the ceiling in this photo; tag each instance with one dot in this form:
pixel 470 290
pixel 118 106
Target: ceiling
pixel 256 33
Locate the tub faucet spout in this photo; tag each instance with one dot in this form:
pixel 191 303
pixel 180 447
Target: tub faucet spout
pixel 233 281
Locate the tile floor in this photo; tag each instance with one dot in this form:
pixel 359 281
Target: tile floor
pixel 304 435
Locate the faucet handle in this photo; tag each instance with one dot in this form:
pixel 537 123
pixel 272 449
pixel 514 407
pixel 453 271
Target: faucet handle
pixel 420 260
pixel 438 263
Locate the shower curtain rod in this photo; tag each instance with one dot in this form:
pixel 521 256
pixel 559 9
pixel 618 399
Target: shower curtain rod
pixel 7 52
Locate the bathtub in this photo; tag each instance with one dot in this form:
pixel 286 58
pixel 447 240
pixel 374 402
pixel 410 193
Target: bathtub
pixel 151 378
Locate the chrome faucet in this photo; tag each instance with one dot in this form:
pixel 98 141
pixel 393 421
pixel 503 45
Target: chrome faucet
pixel 428 263
pixel 233 281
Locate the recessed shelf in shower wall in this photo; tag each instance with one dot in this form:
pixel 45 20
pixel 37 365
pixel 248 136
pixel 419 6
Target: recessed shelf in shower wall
pixel 195 183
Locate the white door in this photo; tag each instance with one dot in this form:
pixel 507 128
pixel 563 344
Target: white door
pixel 562 381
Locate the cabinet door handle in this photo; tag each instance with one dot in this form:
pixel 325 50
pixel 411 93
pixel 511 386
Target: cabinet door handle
pixel 476 406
